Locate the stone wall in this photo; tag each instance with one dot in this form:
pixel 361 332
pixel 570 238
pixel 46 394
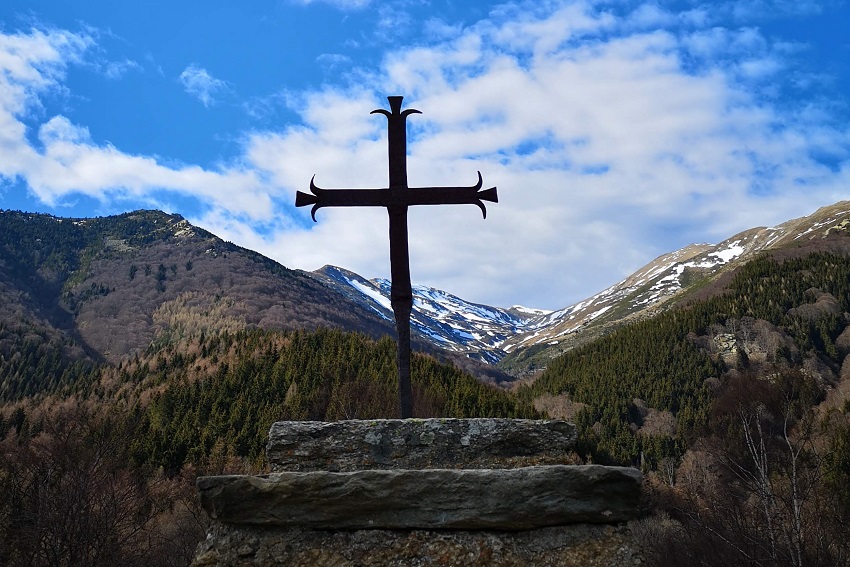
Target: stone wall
pixel 421 492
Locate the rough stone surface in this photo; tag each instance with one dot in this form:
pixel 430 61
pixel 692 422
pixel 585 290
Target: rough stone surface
pixel 418 443
pixel 502 499
pixel 580 545
pixel 433 492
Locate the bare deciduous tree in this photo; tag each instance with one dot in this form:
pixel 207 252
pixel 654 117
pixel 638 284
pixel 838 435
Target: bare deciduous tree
pixel 72 499
pixel 754 492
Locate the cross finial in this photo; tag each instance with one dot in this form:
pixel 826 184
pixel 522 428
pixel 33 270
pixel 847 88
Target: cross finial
pixel 397 139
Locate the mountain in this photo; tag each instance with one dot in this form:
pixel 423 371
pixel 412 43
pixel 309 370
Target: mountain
pixel 738 360
pixel 447 321
pixel 104 288
pixel 521 339
pixel 697 270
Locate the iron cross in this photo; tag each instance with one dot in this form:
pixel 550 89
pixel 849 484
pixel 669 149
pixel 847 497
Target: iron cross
pixel 397 198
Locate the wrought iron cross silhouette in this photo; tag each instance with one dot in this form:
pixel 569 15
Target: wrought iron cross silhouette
pixel 397 198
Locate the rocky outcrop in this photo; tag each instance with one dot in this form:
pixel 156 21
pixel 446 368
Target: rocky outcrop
pixel 421 492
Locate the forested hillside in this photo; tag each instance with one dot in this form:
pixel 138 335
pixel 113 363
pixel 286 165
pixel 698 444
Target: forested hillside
pixel 139 352
pixel 739 408
pixel 102 288
pixel 224 392
pixel 775 314
pixel 128 439
pixel 694 270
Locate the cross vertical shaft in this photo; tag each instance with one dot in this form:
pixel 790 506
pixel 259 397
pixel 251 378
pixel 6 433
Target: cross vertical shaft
pixel 401 300
pixel 401 291
pixel 397 198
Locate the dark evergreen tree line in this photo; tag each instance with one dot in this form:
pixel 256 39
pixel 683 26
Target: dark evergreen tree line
pixel 34 362
pixel 258 377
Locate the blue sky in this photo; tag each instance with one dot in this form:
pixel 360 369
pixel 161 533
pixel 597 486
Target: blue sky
pixel 615 131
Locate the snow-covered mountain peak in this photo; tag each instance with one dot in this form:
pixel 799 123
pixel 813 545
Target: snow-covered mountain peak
pixel 651 286
pixel 446 320
pixel 529 311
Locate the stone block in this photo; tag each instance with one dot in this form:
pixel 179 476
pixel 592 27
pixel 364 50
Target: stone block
pixel 418 444
pixel 496 499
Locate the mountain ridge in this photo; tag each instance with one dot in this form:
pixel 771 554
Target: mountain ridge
pixel 508 335
pixel 110 285
pixel 446 320
pixel 674 277
pixel 114 282
pixel 103 289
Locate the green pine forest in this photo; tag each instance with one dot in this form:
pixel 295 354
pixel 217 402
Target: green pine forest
pixel 220 393
pixel 663 362
pixel 255 378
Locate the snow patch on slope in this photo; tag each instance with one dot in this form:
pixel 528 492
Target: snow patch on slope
pixel 371 293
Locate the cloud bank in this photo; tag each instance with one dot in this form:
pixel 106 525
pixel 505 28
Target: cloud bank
pixel 613 136
pixel 62 160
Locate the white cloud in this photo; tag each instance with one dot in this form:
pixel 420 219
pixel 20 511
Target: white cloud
pixel 332 60
pixel 612 137
pixel 393 21
pixel 71 163
pixel 599 142
pixel 200 84
pixel 652 16
pixel 117 69
pixel 525 29
pixel 67 161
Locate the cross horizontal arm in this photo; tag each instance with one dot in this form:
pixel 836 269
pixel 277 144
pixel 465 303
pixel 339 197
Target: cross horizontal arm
pixel 451 196
pixel 342 197
pixel 396 197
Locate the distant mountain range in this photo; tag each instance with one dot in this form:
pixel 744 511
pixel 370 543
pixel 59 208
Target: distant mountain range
pixel 508 336
pixel 106 287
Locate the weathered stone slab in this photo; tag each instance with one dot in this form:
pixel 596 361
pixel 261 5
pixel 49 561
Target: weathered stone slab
pixel 499 499
pixel 418 443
